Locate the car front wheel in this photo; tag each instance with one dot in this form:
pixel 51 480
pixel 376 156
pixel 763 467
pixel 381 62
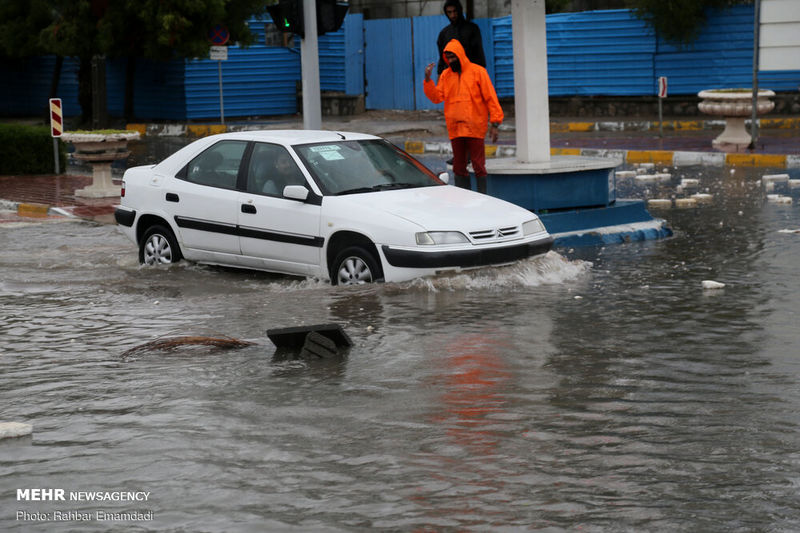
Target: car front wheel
pixel 159 247
pixel 355 266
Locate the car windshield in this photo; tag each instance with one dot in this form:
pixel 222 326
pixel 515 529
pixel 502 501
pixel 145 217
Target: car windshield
pixel 349 167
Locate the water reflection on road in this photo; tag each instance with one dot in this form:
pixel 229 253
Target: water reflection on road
pixel 595 389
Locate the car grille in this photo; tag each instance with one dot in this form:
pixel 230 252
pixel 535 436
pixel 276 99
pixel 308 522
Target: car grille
pixel 488 235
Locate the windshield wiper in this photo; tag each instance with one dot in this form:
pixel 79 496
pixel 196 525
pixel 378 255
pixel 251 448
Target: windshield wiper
pixel 398 186
pixel 355 191
pixel 379 187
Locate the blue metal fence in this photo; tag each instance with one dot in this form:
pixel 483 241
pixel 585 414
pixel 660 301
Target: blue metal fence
pixel 413 41
pixel 26 86
pixel 341 57
pixel 601 52
pixel 591 53
pixel 722 55
pixel 614 53
pixel 426 31
pixel 389 64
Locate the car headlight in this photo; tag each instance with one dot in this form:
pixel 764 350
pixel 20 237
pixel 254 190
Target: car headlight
pixel 532 226
pixel 441 237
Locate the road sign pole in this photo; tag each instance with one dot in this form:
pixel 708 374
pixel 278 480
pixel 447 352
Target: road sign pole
pixel 221 101
pixel 662 93
pixel 218 37
pixel 55 155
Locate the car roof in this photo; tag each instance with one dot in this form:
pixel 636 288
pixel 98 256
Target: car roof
pixel 174 162
pixel 294 136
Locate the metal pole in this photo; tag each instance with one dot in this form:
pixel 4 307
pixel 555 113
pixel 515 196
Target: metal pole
pixel 660 117
pixel 754 116
pixel 309 59
pixel 221 101
pixel 55 153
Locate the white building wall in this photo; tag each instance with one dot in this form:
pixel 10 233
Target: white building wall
pixel 779 35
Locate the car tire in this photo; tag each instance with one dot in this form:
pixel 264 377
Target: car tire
pixel 355 266
pixel 159 247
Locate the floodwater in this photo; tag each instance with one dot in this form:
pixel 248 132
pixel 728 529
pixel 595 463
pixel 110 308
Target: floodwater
pixel 594 389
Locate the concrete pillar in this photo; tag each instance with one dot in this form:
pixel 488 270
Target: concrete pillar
pixel 309 57
pixel 531 105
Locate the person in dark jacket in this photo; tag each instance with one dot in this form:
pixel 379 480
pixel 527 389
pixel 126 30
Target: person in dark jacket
pixel 467 33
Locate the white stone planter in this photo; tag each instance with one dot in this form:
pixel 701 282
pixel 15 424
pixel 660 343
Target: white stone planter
pixel 735 106
pixel 100 150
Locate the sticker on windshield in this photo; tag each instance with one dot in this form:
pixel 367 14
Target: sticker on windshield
pixel 331 155
pixel 330 152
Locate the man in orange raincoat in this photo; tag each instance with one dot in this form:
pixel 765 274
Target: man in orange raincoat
pixel 470 104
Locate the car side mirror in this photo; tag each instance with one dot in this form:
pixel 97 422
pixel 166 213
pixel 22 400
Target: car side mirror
pixel 295 192
pixel 445 177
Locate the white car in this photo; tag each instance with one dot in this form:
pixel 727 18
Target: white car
pixel 345 207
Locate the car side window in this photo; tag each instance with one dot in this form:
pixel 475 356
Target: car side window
pixel 271 169
pixel 218 166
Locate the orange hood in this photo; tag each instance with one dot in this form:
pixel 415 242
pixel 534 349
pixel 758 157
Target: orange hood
pixel 455 47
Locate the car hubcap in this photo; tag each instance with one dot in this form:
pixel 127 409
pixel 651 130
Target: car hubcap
pixel 157 250
pixel 354 271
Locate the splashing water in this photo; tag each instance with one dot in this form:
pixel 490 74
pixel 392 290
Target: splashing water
pixel 549 269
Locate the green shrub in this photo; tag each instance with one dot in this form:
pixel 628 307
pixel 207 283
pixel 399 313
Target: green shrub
pixel 29 150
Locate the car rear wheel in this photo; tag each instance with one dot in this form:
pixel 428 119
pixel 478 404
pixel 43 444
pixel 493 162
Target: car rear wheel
pixel 355 266
pixel 159 247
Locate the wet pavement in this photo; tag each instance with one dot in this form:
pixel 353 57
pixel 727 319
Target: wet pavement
pixel 603 390
pixel 778 146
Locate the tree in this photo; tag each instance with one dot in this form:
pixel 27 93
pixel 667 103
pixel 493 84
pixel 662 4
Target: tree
pixel 164 30
pixel 151 29
pixel 20 24
pixel 678 21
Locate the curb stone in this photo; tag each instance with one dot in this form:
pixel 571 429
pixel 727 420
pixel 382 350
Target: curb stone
pixel 660 157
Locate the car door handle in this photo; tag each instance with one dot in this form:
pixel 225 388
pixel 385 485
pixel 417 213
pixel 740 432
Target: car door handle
pixel 249 208
pixel 172 197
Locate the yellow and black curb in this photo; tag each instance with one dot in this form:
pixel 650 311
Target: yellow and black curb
pixel 659 157
pixel 31 210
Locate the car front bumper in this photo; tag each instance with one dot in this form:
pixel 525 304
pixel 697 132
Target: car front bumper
pixel 466 258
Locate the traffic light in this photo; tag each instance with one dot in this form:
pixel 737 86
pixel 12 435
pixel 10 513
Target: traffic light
pixel 330 15
pixel 288 16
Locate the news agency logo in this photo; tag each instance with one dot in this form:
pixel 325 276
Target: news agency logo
pixel 60 495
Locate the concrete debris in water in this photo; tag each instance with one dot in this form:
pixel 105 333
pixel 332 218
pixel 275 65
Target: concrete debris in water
pixel 10 430
pixel 712 285
pixel 779 199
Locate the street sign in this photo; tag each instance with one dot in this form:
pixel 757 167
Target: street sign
pixel 218 53
pixel 662 86
pixel 219 35
pixel 56 118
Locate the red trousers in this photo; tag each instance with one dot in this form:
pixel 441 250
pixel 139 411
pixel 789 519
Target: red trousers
pixel 468 149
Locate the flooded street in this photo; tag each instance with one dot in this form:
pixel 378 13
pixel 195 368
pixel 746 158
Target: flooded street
pixel 593 389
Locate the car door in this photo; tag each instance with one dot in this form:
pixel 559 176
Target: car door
pixel 205 202
pixel 278 233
